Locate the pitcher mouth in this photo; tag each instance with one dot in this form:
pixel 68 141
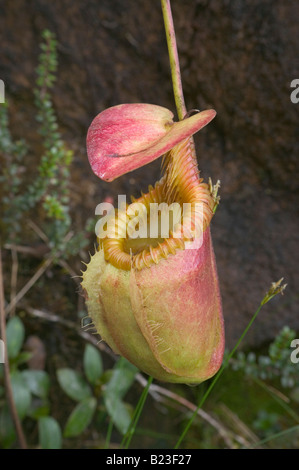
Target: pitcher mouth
pixel 192 207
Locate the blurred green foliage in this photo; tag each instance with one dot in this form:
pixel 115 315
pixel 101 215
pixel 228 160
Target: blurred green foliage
pixel 98 394
pixel 276 364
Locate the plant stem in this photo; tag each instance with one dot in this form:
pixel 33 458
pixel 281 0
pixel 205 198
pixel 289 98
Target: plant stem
pixel 8 385
pixel 109 432
pixel 174 59
pixel 14 278
pixel 130 432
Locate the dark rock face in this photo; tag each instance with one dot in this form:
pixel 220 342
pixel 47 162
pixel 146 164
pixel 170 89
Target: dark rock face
pixel 237 57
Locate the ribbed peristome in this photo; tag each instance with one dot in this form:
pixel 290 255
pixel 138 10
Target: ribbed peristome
pixel 180 184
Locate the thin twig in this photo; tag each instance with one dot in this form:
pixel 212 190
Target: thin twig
pixel 241 426
pixel 14 278
pixel 38 231
pixel 28 250
pixel 224 433
pixel 69 324
pixel 36 276
pixel 28 285
pixel 8 386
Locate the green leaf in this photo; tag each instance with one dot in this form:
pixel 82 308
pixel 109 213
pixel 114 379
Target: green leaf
pixel 73 384
pixel 38 409
pixel 22 358
pixel 119 413
pixel 15 333
pixel 21 393
pixel 7 428
pixel 38 382
pixel 80 417
pixel 50 436
pixel 106 376
pixel 93 366
pixel 122 378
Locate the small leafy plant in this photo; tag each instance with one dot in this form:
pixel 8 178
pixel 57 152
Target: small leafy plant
pixel 275 365
pixel 45 192
pixel 48 190
pixel 30 389
pixel 97 391
pixel 99 394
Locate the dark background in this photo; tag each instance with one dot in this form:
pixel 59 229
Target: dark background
pixel 236 57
